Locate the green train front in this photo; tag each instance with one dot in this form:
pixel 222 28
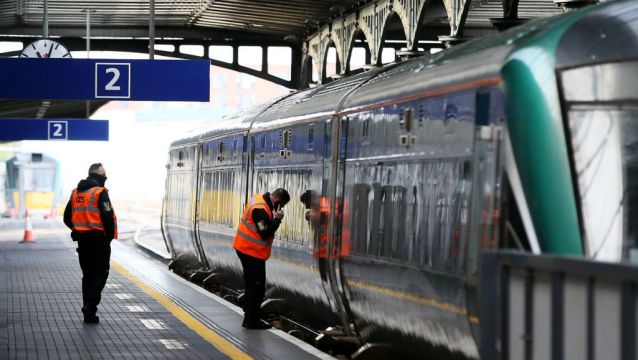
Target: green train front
pixel 573 127
pixel 525 140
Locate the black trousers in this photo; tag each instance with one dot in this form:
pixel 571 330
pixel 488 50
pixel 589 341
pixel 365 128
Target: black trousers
pixel 94 257
pixel 255 283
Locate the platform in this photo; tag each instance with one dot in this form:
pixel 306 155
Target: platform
pixel 146 311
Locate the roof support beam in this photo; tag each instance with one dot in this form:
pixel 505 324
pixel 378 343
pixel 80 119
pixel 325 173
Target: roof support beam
pixel 371 20
pixel 141 46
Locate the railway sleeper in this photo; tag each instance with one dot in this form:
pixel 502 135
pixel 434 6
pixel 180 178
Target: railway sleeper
pixel 211 282
pixel 199 275
pixel 333 340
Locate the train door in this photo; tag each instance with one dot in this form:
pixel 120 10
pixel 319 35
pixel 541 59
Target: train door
pixel 487 175
pixel 167 188
pixel 255 146
pixel 334 172
pixel 196 196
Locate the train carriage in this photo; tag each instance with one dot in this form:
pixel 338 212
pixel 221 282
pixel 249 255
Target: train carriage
pixel 32 184
pixel 524 140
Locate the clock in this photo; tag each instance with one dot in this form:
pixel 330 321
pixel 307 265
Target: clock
pixel 45 48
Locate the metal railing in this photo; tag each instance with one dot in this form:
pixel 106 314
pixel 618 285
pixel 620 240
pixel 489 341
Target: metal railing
pixel 550 307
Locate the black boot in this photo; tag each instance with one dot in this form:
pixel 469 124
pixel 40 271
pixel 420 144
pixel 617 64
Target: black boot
pixel 90 317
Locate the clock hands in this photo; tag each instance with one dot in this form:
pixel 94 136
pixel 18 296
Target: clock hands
pixel 50 51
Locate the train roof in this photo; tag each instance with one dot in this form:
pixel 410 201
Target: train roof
pixel 311 103
pixel 466 63
pixel 608 33
pixel 236 122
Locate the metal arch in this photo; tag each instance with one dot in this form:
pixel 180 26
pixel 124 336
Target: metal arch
pixel 457 13
pixel 317 50
pixel 410 13
pixel 372 22
pixel 343 31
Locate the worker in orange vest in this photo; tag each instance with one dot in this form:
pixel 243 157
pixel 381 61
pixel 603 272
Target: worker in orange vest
pixel 317 215
pixel 253 242
pixel 91 218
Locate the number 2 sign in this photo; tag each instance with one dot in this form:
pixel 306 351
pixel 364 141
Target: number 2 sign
pixel 58 130
pixel 113 80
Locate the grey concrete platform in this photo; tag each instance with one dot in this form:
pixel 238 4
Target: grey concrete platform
pixel 146 311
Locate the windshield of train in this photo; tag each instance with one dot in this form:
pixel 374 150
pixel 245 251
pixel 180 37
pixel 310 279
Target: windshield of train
pixel 602 122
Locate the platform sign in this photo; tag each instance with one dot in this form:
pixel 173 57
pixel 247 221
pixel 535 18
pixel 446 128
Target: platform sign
pixel 58 130
pixel 112 81
pixel 54 129
pixel 92 79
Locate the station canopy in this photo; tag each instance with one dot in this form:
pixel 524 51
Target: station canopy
pixel 292 21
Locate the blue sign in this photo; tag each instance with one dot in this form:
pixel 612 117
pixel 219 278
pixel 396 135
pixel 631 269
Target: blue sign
pixel 92 79
pixel 54 129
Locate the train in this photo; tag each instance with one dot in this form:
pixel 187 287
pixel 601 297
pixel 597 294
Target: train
pixel 32 184
pixel 525 140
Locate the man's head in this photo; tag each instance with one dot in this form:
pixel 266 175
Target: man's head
pixel 279 198
pixel 97 172
pixel 97 168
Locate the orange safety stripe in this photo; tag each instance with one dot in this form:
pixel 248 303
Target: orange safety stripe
pixel 247 239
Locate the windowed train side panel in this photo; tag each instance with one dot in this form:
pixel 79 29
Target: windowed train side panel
pixel 294 229
pixel 181 185
pixel 221 199
pixel 408 181
pixel 414 212
pixel 298 169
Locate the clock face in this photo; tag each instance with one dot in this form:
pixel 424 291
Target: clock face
pixel 45 49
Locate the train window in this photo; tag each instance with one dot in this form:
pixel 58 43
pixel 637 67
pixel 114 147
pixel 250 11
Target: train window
pixel 296 229
pixel 360 217
pixel 311 137
pixel 375 219
pixel 181 155
pixel 387 221
pixel 365 128
pixel 220 151
pixel 413 212
pixel 263 143
pixel 221 202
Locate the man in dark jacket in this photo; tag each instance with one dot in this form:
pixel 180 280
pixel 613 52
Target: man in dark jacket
pixel 90 216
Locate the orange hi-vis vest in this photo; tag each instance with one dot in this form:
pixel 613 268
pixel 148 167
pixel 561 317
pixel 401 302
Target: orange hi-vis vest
pixel 247 239
pixel 85 212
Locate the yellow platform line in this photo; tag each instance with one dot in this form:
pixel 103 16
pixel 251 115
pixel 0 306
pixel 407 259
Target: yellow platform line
pixel 212 337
